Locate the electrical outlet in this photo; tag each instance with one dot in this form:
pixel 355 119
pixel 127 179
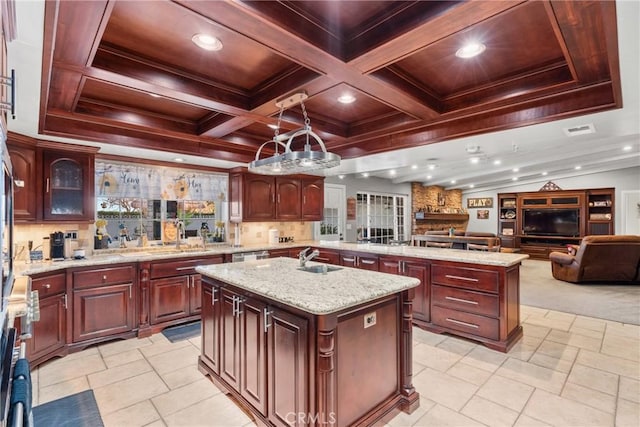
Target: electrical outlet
pixel 369 319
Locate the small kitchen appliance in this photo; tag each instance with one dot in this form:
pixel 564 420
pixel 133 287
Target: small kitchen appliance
pixel 56 241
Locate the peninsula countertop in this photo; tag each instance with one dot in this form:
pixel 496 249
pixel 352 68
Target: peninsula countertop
pixel 114 256
pixel 280 280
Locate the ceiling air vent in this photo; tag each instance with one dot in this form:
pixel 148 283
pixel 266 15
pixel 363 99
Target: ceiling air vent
pixel 580 130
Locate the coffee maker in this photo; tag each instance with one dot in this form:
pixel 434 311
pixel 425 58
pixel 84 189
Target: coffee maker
pixel 56 241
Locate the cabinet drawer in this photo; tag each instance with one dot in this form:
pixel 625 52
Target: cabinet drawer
pixel 181 267
pixel 464 277
pixel 469 301
pixel 466 322
pixel 49 285
pixel 104 276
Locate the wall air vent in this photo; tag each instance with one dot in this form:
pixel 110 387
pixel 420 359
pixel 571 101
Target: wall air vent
pixel 580 130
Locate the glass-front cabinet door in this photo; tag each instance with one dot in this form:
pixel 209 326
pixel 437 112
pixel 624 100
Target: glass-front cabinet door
pixel 68 187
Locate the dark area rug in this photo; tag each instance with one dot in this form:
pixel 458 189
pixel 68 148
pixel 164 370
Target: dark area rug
pixel 77 410
pixel 182 332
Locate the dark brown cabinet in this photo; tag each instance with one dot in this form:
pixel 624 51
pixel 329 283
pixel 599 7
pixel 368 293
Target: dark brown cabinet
pixel 242 338
pixel 210 339
pixel 328 256
pixel 103 302
pixel 267 198
pixel 256 349
pixel 68 186
pixel 49 333
pixel 175 289
pixel 413 268
pixel 58 180
pixel 23 160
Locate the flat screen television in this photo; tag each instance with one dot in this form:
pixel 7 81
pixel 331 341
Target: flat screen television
pixel 551 222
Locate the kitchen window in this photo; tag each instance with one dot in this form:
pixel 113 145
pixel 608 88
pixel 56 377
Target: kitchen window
pixel 381 218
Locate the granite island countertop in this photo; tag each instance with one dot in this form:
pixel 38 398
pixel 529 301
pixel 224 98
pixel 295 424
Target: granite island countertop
pixel 279 279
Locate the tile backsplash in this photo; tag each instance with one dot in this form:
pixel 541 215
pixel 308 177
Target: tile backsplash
pixel 258 232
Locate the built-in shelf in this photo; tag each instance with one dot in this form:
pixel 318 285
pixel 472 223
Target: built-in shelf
pixel 423 216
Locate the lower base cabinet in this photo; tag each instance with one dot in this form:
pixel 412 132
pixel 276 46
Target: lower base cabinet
pixel 413 268
pixel 48 335
pixel 103 311
pixel 257 350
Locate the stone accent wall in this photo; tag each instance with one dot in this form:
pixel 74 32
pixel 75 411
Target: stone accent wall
pixel 427 198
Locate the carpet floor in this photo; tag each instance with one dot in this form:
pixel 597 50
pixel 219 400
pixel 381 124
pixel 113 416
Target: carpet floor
pixel 538 288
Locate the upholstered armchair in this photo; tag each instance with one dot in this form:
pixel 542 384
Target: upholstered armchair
pixel 599 258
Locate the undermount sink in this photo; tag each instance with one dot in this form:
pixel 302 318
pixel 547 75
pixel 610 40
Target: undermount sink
pixel 319 268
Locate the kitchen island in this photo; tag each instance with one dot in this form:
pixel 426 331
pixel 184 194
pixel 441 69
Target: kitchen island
pixel 312 347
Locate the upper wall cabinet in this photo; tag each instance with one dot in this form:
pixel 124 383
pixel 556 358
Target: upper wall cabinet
pixel 57 184
pixel 267 198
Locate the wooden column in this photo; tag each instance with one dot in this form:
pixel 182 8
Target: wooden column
pixel 326 373
pixel 406 356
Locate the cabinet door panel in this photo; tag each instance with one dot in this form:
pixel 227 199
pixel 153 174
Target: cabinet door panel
pixel 49 332
pixel 253 370
pixel 288 198
pixel 102 311
pixel 68 186
pixel 195 294
pixel 169 299
pixel 259 197
pixel 288 366
pixel 210 326
pixel 312 199
pixel 229 340
pixel 23 160
pixel 422 299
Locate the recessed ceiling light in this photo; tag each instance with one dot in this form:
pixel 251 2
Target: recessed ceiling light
pixel 545 173
pixel 414 166
pixel 178 159
pixel 431 167
pixel 474 160
pixel 470 50
pixel 346 98
pixel 515 178
pixel 341 176
pixel 627 148
pixel 365 174
pixel 471 185
pixel 516 169
pixel 453 181
pixel 497 162
pixel 578 167
pixel 206 42
pixel 392 172
pixel 429 176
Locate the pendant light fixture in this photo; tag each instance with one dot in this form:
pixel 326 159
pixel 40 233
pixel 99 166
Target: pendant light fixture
pixel 285 160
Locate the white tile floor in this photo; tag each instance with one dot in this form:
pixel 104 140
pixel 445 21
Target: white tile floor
pixel 566 371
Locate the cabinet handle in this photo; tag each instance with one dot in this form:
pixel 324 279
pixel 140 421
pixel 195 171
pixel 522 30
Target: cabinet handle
pixel 368 261
pixel 104 278
pixel 304 200
pixel 65 301
pixel 273 198
pixel 466 301
pixel 278 197
pixel 47 185
pixel 468 279
pixel 234 301
pixel 240 301
pixel 183 268
pixel 130 285
pixel 349 259
pixel 47 286
pixel 214 300
pixel 458 322
pixel 266 323
pixel 399 267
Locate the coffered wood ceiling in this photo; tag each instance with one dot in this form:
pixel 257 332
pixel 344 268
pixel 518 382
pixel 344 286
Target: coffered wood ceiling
pixel 103 61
